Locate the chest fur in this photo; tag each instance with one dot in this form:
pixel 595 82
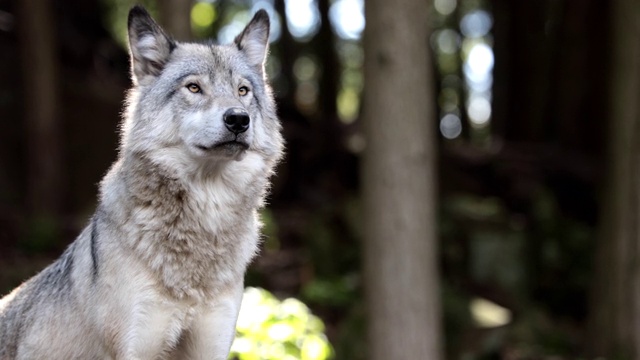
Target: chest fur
pixel 196 238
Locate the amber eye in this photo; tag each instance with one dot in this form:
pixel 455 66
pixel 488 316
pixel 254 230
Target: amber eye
pixel 193 88
pixel 243 90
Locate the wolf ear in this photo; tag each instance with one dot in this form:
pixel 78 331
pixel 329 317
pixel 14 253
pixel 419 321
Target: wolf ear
pixel 149 45
pixel 254 39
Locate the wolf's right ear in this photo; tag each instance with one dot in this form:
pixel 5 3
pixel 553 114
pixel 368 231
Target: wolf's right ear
pixel 254 39
pixel 149 45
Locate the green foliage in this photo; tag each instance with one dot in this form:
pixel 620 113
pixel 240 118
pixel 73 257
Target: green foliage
pixel 272 329
pixel 337 292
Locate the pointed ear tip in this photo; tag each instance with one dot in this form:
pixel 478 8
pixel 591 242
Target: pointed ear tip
pixel 137 11
pixel 261 15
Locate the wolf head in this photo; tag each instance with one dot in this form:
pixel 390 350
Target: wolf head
pixel 199 104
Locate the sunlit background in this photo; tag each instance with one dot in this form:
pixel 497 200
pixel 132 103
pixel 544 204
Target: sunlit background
pixel 461 41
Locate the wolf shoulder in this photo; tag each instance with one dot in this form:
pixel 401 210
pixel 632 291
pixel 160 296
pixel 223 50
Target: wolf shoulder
pixel 67 308
pixel 30 314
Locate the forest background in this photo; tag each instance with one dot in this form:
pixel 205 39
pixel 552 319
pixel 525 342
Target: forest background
pixel 528 110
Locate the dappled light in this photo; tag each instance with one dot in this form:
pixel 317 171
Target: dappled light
pixel 467 50
pixel 479 110
pixel 448 41
pixel 445 7
pixel 203 14
pixel 347 18
pixel 487 314
pixel 351 81
pixel 476 23
pixel 450 126
pixel 303 18
pixel 479 63
pixel 270 329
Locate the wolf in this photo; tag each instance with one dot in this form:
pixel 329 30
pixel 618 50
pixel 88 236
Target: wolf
pixel 158 272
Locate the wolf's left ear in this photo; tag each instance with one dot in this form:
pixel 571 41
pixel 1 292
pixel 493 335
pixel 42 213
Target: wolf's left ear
pixel 149 45
pixel 254 39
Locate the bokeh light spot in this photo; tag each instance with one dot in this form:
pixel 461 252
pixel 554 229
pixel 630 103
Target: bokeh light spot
pixel 203 14
pixel 450 126
pixel 445 7
pixel 479 110
pixel 476 24
pixel 303 18
pixel 347 18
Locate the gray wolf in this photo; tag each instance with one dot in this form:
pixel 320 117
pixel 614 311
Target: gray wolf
pixel 158 272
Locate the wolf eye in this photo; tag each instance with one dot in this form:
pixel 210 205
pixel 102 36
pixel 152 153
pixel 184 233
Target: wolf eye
pixel 243 90
pixel 193 88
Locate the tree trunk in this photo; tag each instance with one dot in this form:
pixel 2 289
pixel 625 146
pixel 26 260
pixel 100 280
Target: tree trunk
pixel 175 17
pixel 43 129
pixel 614 327
pixel 400 252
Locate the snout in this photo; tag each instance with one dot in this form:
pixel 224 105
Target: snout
pixel 236 120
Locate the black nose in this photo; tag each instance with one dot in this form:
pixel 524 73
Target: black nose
pixel 236 120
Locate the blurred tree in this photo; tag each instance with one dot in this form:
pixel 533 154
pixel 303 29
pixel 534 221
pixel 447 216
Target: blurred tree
pixel 43 142
pixel 175 17
pixel 615 307
pixel 398 179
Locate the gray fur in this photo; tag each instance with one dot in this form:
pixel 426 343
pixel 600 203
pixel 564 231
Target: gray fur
pixel 158 272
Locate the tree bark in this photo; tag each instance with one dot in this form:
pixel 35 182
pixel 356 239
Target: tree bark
pixel 175 17
pixel 614 324
pixel 400 252
pixel 43 129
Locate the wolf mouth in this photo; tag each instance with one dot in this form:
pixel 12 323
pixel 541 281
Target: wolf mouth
pixel 226 145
